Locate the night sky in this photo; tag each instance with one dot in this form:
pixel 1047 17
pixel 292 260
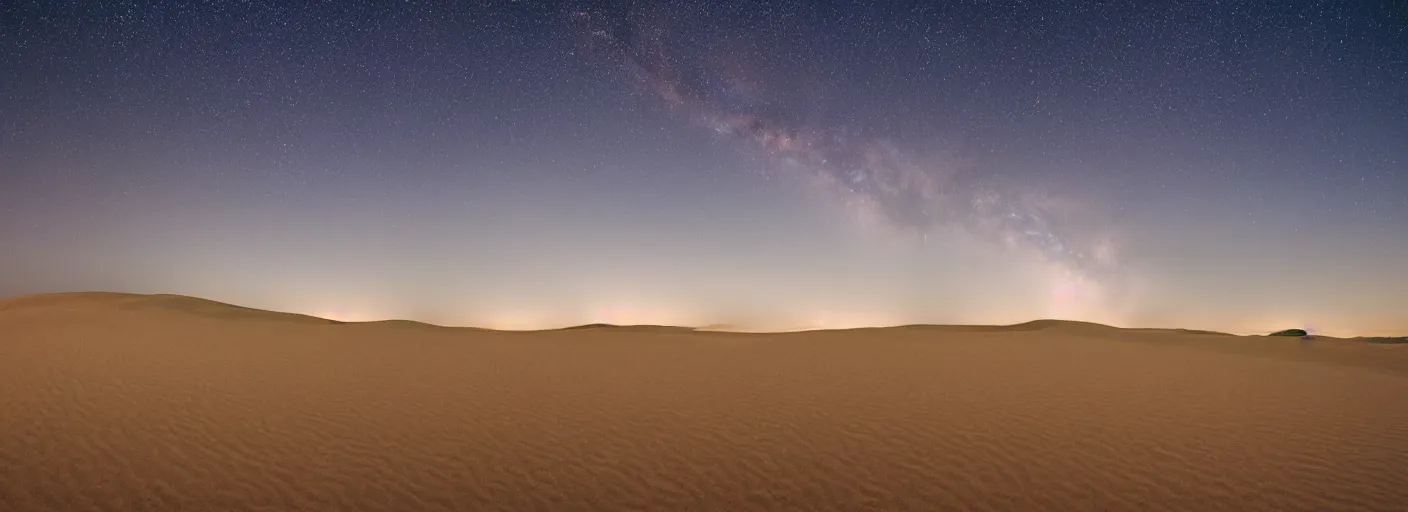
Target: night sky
pixel 1230 165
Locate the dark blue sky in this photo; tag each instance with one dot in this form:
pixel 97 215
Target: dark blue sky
pixel 1225 165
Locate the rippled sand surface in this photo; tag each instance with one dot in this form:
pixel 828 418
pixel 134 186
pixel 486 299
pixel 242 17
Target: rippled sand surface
pixel 117 402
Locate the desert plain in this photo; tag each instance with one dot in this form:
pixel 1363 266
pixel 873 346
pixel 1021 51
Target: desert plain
pixel 159 402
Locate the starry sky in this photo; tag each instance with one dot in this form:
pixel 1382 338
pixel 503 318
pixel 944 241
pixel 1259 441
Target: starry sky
pixel 1230 165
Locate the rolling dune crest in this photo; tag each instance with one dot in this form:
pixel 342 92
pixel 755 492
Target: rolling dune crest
pixel 113 403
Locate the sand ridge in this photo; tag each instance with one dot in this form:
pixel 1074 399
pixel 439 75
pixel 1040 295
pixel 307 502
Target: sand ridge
pixel 121 402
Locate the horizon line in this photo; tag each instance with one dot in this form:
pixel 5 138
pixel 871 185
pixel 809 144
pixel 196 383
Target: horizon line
pixel 7 302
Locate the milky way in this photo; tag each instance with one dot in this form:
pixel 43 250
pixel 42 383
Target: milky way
pixel 1234 166
pixel 878 182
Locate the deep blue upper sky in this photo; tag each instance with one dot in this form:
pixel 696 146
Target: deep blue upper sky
pixel 1213 164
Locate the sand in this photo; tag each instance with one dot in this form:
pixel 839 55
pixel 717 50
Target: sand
pixel 121 402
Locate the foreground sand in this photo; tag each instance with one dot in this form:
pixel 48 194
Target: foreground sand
pixel 112 402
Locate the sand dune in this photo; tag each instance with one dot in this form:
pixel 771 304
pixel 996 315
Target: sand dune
pixel 122 402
